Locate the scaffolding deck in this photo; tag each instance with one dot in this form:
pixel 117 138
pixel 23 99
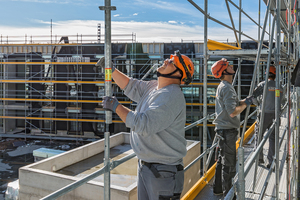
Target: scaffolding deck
pixel 262 172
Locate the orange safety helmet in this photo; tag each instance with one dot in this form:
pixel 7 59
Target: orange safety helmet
pixel 218 67
pixel 185 64
pixel 272 70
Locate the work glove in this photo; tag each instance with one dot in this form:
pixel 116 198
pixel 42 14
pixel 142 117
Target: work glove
pixel 251 100
pixel 258 91
pixel 110 103
pixel 101 63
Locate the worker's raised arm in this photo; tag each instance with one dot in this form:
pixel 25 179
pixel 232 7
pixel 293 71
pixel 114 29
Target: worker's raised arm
pixel 120 78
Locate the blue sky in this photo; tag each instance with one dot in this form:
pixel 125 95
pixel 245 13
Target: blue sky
pixel 150 20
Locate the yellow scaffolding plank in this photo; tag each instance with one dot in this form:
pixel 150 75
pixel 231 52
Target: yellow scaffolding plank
pixel 214 45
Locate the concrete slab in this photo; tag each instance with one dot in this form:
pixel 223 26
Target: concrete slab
pixel 42 178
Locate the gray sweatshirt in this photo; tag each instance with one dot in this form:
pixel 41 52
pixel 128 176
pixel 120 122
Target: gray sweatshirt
pixel 157 124
pixel 270 97
pixel 226 102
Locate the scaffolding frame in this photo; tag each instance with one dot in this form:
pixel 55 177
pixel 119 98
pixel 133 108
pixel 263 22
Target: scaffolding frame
pixel 281 58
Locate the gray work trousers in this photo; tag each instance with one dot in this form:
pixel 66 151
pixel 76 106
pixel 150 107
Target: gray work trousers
pixel 226 163
pixel 168 186
pixel 268 121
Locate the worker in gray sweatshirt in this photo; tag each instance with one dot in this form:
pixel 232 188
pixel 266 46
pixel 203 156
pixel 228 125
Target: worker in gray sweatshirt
pixel 157 126
pixel 227 109
pixel 269 115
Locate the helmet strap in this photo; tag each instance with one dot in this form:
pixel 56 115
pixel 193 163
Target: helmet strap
pixel 188 78
pixel 169 75
pixel 225 72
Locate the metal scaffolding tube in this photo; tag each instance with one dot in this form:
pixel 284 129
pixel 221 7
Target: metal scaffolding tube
pixel 271 168
pixel 277 96
pixel 256 67
pixel 217 21
pixel 205 89
pixel 241 10
pixel 238 41
pixel 287 195
pixel 251 160
pixel 108 92
pixel 241 175
pixel 263 100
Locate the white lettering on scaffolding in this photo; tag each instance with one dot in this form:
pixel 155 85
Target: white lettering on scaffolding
pixel 73 59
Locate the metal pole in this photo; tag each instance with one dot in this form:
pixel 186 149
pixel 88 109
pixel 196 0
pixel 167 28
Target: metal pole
pixel 108 91
pixel 262 116
pixel 217 21
pixel 205 89
pixel 259 4
pixel 232 23
pixel 289 105
pixel 241 175
pixel 297 140
pixel 255 68
pixel 277 96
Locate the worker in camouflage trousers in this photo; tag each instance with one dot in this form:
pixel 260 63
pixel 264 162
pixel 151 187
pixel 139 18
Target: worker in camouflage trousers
pixel 157 126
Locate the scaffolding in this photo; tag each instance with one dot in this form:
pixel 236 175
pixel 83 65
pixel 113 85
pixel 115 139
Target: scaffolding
pixel 36 84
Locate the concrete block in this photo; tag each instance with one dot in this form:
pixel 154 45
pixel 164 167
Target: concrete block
pixel 44 177
pixel 89 134
pixel 62 133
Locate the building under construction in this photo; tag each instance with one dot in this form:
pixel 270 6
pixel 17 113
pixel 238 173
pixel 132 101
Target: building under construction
pixel 52 89
pixel 56 90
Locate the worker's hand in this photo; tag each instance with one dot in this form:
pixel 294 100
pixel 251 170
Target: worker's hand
pixel 251 100
pixel 258 91
pixel 110 103
pixel 101 63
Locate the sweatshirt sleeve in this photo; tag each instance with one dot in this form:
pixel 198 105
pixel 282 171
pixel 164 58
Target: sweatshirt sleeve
pixel 135 89
pixel 229 99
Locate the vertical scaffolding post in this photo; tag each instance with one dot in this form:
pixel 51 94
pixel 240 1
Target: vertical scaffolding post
pixel 277 96
pixel 205 90
pixel 241 174
pixel 108 114
pixel 289 105
pixel 259 6
pixel 265 89
pixel 297 140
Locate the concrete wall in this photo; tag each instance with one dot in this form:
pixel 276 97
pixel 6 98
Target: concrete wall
pixel 42 178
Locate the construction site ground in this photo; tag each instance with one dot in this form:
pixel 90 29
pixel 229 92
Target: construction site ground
pixel 16 153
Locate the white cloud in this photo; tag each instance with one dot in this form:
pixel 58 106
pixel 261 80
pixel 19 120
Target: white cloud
pixel 135 13
pixel 145 31
pixel 117 15
pixel 172 22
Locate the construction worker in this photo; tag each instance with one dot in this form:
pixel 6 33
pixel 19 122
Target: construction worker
pixel 226 123
pixel 157 126
pixel 269 115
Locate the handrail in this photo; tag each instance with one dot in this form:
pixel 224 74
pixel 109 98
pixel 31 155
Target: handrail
pixel 254 156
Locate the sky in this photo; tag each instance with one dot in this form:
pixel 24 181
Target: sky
pixel 148 20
